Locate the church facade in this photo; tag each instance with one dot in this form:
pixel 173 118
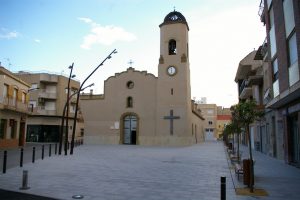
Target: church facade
pixel 139 108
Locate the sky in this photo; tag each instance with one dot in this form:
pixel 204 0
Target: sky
pixel 50 35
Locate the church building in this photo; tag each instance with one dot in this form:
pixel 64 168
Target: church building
pixel 139 108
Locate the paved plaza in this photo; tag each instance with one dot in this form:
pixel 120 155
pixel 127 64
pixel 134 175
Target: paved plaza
pixel 117 172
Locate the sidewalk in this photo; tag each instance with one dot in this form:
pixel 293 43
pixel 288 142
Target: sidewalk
pixel 280 180
pixel 120 172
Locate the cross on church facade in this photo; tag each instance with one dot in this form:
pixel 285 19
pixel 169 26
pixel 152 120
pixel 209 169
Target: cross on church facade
pixel 171 118
pixel 130 62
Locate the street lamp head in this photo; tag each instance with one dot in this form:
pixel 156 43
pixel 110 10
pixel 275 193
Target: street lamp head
pixel 73 76
pixel 71 67
pixel 115 52
pixel 109 57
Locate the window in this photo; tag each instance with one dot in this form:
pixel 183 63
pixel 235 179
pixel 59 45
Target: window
pixel 81 132
pixel 275 70
pixel 187 47
pixel 5 90
pixel 130 84
pixel 3 128
pixel 269 2
pixel 272 33
pixel 33 86
pixel 210 122
pixel 289 20
pixel 293 60
pixel 210 111
pixel 292 46
pixel 172 91
pixel 275 78
pixel 129 102
pixel 72 108
pixel 172 47
pixel 15 92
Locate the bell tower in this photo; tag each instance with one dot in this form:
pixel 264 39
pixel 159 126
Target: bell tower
pixel 173 86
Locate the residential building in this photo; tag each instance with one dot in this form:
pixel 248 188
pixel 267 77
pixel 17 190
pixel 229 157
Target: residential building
pixel 249 79
pixel 13 109
pixel 209 113
pixel 48 97
pixel 282 22
pixel 215 119
pixel 223 118
pixel 270 75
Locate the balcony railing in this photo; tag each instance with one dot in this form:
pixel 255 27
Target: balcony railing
pixel 42 111
pixel 13 104
pixel 245 90
pixel 49 78
pixel 47 94
pixel 261 12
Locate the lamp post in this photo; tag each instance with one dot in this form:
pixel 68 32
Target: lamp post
pixel 77 100
pixel 63 118
pixel 67 115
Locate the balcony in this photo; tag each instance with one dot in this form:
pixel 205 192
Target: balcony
pixel 245 90
pixel 261 12
pixel 49 78
pixel 255 80
pixel 42 111
pixel 47 94
pixel 12 104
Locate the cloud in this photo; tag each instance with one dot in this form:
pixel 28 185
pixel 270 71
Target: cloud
pixel 37 40
pixel 84 19
pixel 105 35
pixel 6 34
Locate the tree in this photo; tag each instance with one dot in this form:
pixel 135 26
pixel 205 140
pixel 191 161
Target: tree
pixel 236 126
pixel 248 113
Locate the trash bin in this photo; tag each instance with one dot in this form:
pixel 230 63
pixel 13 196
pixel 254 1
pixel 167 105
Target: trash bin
pixel 246 168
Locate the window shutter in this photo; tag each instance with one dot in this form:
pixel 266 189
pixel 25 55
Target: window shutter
pixel 19 96
pixel 10 91
pixel 27 98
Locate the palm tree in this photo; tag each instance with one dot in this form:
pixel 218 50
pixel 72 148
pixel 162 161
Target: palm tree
pixel 247 114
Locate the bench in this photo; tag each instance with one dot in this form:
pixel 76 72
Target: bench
pixel 238 170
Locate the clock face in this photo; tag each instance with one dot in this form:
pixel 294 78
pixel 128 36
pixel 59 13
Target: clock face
pixel 171 70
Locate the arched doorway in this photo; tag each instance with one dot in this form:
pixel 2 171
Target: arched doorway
pixel 130 129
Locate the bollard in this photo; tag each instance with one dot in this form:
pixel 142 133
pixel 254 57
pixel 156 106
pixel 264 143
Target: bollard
pixel 223 188
pixel 25 181
pixel 21 157
pixel 33 154
pixel 43 149
pixel 49 150
pixel 55 149
pixel 4 161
